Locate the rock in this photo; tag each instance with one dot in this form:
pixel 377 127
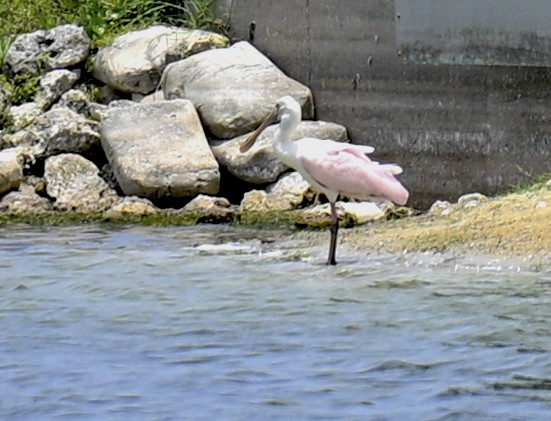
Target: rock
pixel 210 209
pixel 260 165
pixel 98 111
pixel 254 201
pixel 158 150
pixel 54 84
pixel 56 131
pixel 74 183
pixel 130 206
pixel 25 200
pixel 154 97
pixel 471 200
pixel 135 61
pixel 75 100
pixel 63 46
pixel 362 212
pixel 11 171
pixel 232 88
pixel 349 213
pixel 24 114
pixel 290 191
pixel 440 208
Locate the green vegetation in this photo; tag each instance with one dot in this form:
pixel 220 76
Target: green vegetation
pixel 102 19
pixel 21 88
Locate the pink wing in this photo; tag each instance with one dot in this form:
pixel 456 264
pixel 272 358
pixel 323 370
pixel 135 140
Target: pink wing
pixel 353 174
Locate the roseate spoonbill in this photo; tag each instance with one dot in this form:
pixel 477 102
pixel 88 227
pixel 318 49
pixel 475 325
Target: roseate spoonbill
pixel 332 168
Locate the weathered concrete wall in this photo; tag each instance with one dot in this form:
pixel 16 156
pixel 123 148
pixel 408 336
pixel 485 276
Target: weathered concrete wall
pixel 454 129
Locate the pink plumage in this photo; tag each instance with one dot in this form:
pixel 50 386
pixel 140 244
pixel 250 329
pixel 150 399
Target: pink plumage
pixel 352 174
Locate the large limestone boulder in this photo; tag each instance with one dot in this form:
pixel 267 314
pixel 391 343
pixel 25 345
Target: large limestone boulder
pixel 135 61
pixel 35 52
pixel 232 88
pixel 159 149
pixel 11 171
pixel 259 165
pixel 56 131
pixel 75 184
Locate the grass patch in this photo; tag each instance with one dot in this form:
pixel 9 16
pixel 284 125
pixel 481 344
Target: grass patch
pixel 103 20
pixel 515 224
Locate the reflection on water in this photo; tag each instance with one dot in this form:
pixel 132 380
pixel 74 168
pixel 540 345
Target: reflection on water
pixel 220 323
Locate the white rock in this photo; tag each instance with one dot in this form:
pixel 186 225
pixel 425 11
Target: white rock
pixel 440 208
pixel 471 200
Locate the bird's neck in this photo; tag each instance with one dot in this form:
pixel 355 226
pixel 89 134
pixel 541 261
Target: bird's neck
pixel 283 145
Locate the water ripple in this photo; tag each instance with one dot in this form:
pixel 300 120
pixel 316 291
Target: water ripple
pixel 215 322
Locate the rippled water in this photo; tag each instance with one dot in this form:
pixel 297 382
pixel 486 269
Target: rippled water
pixel 189 323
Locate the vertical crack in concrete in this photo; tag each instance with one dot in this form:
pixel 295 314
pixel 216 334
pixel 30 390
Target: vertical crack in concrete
pixel 308 46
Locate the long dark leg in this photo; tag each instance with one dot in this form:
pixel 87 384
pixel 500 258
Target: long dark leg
pixel 334 229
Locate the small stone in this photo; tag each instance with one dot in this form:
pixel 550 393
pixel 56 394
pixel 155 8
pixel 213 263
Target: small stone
pixel 471 200
pixel 11 171
pixel 210 209
pixel 130 206
pixel 25 201
pixel 440 207
pixel 54 84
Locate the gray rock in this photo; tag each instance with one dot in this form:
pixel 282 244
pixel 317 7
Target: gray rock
pixel 25 200
pixel 154 97
pixel 158 150
pixel 74 183
pixel 24 114
pixel 63 46
pixel 56 131
pixel 75 100
pixel 11 170
pixel 232 88
pixel 260 165
pixel 54 84
pixel 135 61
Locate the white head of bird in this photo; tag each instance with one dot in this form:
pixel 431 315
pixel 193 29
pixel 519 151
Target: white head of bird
pixel 289 114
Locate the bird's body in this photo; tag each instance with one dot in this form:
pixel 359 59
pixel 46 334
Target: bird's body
pixel 333 168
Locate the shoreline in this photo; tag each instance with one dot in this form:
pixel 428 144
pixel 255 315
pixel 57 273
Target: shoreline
pixel 517 225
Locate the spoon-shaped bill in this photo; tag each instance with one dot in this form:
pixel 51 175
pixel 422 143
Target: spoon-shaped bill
pixel 249 142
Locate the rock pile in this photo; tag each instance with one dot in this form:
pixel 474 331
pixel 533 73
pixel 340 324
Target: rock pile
pixel 177 103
